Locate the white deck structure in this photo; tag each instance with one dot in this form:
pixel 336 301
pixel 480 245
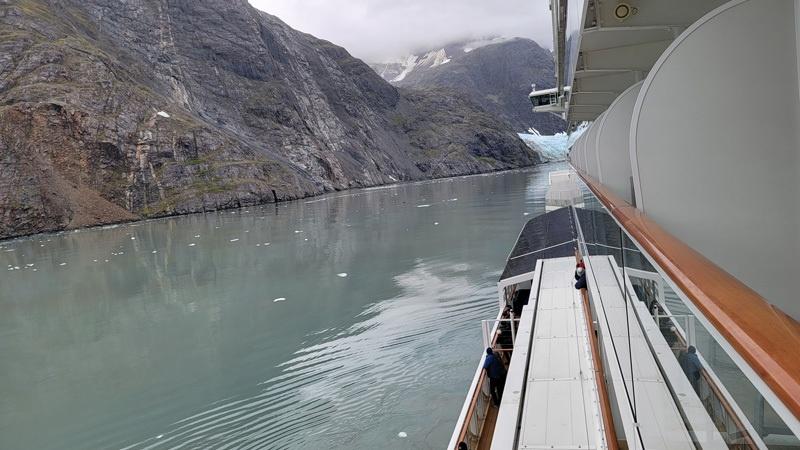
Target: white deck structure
pixel 635 368
pixel 551 380
pixel 551 398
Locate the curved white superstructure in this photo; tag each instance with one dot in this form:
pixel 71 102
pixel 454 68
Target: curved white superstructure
pixel 715 148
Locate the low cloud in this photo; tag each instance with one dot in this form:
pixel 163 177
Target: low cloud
pixel 375 30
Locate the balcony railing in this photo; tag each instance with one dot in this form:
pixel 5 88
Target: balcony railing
pixel 750 383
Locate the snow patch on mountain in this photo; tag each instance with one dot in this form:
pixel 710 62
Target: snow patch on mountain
pixel 397 69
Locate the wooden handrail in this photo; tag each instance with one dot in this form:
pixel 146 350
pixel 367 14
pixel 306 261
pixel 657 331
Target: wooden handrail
pixel 600 378
pixel 462 436
pixel 763 335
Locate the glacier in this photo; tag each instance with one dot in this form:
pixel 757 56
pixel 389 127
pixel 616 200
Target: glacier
pixel 552 147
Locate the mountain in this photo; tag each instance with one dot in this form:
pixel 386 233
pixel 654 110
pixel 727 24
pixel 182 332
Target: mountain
pixel 495 73
pixel 117 110
pixel 394 70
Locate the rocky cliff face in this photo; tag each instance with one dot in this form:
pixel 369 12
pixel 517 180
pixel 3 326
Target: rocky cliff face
pixel 114 110
pixel 496 73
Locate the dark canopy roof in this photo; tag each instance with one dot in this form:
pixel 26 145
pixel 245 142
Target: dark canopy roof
pixel 551 235
pixel 555 235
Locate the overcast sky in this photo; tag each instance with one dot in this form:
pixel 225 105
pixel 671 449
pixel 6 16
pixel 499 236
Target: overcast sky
pixel 375 30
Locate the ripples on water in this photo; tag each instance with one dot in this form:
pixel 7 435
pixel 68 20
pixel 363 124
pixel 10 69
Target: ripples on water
pixel 172 346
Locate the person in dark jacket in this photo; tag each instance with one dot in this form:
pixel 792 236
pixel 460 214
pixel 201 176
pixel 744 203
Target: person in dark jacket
pixel 497 375
pixel 580 276
pixel 692 366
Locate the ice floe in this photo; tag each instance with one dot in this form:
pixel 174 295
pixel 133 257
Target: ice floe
pixel 279 299
pixel 192 244
pixel 402 434
pixel 234 239
pixel 424 205
pixel 342 275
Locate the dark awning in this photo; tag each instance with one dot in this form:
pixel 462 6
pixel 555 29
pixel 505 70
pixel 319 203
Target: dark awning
pixel 554 235
pixel 551 235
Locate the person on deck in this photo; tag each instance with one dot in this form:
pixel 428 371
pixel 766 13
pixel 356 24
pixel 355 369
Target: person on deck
pixel 497 375
pixel 692 366
pixel 580 276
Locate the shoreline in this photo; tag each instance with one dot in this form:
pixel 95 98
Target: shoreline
pixel 7 239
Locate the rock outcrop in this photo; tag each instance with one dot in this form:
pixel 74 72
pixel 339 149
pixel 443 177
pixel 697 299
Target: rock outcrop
pixel 116 110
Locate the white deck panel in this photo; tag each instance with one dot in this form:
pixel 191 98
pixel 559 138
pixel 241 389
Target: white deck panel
pixel 557 408
pixel 510 406
pixel 703 428
pixel 660 422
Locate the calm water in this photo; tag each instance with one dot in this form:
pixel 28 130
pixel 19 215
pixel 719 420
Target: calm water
pixel 172 333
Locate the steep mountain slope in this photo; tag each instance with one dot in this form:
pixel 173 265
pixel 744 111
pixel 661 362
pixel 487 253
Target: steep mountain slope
pixel 114 110
pixel 497 74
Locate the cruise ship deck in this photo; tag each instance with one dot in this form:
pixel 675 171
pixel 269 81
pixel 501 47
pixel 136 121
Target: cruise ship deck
pixel 623 361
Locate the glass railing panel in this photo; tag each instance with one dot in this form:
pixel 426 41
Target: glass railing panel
pixel 739 410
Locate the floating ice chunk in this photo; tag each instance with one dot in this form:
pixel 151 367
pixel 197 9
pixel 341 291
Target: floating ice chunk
pixel 246 231
pixel 298 231
pixel 453 199
pixel 342 275
pixel 10 268
pixel 436 223
pixel 424 205
pixel 266 243
pixel 402 434
pixel 106 260
pixel 35 270
pixel 192 244
pixel 94 260
pixel 196 235
pixel 159 436
pixel 305 239
pixel 41 245
pixel 163 114
pixel 279 299
pixel 154 251
pixel 133 238
pixel 63 264
pixel 121 253
pixel 30 265
pixel 234 239
pixel 258 245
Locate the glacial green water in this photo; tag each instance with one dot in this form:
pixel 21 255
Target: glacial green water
pixel 335 322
